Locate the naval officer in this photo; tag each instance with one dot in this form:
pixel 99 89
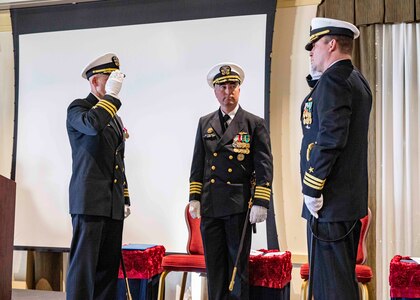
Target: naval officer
pixel 232 160
pixel 333 159
pixel 99 198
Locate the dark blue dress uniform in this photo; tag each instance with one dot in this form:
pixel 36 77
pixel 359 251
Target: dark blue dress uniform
pixel 223 169
pixel 333 157
pixel 333 162
pixel 98 193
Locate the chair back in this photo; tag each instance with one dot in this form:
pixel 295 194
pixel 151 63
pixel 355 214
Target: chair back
pixel 195 242
pixel 362 248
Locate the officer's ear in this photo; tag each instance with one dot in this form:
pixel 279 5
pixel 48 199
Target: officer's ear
pixel 94 80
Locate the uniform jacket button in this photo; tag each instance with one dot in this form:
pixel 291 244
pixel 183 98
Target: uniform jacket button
pixel 212 180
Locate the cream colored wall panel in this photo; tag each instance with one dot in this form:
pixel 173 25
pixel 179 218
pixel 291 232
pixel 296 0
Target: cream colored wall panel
pixel 6 102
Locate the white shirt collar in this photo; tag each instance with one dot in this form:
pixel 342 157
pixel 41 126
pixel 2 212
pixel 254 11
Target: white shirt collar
pixel 232 113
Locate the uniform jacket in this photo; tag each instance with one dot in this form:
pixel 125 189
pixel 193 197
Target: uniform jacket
pixel 223 164
pixel 333 157
pixel 98 184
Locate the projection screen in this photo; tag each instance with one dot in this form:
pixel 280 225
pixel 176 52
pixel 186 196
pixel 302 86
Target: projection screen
pixel 164 94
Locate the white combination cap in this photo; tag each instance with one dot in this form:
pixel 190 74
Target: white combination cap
pixel 326 26
pixel 225 72
pixel 104 64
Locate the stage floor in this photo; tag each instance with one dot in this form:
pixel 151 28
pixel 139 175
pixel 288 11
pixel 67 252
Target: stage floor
pixel 18 294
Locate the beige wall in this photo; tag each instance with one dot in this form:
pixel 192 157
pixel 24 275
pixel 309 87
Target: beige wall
pixel 290 66
pixel 6 94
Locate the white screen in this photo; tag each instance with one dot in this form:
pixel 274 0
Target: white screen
pixel 164 94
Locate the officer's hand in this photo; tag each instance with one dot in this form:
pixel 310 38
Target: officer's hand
pixel 195 209
pixel 114 83
pixel 127 210
pixel 313 204
pixel 258 214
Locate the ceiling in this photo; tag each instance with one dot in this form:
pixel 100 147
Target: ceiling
pixel 7 4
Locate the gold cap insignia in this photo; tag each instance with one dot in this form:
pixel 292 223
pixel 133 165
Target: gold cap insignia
pixel 116 61
pixel 225 70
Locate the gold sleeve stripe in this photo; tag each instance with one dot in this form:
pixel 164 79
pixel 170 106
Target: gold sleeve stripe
pixel 262 196
pixel 312 183
pixel 195 187
pixel 315 179
pixel 316 187
pixel 106 108
pixel 263 192
pixel 262 189
pixel 109 105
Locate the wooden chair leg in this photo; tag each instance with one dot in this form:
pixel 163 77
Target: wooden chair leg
pixel 364 295
pixel 161 293
pixel 304 290
pixel 183 284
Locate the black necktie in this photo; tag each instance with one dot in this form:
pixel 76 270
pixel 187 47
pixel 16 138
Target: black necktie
pixel 225 122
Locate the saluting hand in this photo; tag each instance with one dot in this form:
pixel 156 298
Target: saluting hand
pixel 114 83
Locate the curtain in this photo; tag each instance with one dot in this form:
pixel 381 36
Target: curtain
pixel 397 144
pixel 365 12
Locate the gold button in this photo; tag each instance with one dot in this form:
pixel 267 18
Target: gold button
pixel 230 170
pixel 230 157
pixel 215 154
pixel 116 167
pixel 213 168
pixel 212 181
pixel 115 180
pixel 228 182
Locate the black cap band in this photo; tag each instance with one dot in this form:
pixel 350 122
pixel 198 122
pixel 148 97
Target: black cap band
pixel 102 69
pixel 318 33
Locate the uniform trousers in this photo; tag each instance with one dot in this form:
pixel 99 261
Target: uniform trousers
pixel 221 239
pixel 333 259
pixel 95 255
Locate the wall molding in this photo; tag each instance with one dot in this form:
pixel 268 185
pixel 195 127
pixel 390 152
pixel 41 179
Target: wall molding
pixel 294 3
pixel 5 21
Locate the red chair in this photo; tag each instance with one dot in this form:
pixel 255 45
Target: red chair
pixel 191 262
pixel 363 272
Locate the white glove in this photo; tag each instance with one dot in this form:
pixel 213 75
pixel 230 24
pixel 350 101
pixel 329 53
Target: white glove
pixel 313 204
pixel 258 214
pixel 195 209
pixel 127 210
pixel 114 83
